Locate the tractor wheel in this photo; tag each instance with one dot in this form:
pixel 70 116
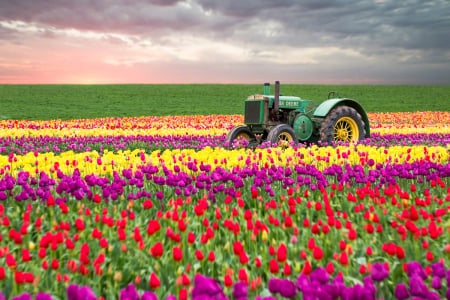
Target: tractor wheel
pixel 342 124
pixel 282 135
pixel 239 136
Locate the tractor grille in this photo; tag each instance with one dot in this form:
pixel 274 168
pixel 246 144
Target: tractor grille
pixel 253 112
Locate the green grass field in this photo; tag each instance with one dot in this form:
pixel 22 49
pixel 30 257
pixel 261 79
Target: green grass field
pixel 45 102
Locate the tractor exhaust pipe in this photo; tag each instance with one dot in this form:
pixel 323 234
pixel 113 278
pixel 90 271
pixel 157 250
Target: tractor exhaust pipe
pixel 266 88
pixel 276 100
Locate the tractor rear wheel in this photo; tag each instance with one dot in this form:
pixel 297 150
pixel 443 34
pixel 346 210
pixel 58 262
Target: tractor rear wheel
pixel 239 136
pixel 342 124
pixel 282 135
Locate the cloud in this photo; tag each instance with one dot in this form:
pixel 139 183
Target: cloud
pixel 329 37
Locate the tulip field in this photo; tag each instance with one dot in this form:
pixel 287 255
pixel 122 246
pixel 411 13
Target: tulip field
pixel 158 208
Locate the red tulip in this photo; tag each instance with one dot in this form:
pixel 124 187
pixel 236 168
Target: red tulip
pixel 79 224
pixel 242 275
pixel 243 258
pixel 153 227
pixel 305 222
pixel 307 269
pixel 199 254
pixel 154 281
pixel 257 262
pixel 26 255
pixel 282 253
pixel 343 259
pixel 191 237
pixel 55 264
pixel 342 245
pixel 50 201
pixel 96 233
pixel 185 280
pixel 400 252
pixel 369 228
pixel 45 264
pixel 303 254
pixel 183 294
pixel 228 281
pixel 362 269
pixel 317 253
pixel 182 225
pixel 273 266
pixel 11 261
pixel 2 273
pixel 287 270
pixel 177 254
pixel 330 268
pixel 157 250
pixel 315 228
pixel 271 250
pixel 311 243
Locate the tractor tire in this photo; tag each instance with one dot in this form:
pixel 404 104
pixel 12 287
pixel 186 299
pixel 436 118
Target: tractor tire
pixel 239 136
pixel 342 124
pixel 282 135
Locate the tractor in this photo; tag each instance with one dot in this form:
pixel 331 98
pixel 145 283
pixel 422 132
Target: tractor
pixel 288 120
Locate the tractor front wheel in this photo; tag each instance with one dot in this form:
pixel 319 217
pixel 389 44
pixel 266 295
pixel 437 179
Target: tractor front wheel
pixel 342 124
pixel 282 135
pixel 239 136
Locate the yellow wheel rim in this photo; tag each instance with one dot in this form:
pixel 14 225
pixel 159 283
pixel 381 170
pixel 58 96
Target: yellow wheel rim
pixel 346 130
pixel 243 136
pixel 284 139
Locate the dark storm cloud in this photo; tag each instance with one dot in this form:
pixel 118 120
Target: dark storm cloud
pixel 101 15
pixel 368 24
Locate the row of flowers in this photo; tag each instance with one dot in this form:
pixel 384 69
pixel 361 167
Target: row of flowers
pixel 316 285
pixel 148 143
pixel 203 125
pixel 192 161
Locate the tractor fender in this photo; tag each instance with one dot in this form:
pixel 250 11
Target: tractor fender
pixel 325 107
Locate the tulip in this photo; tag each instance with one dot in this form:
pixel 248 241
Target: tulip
pixel 379 272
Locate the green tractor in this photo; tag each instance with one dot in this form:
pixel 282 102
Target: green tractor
pixel 288 120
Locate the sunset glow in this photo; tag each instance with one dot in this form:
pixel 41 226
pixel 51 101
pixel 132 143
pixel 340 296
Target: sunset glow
pixel 201 41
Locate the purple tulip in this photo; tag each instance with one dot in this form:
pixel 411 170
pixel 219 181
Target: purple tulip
pixel 432 296
pixel 43 296
pixel 274 285
pixel 129 293
pixel 379 272
pixel 287 289
pixel 206 287
pixel 240 291
pixel 302 282
pixel 72 292
pixel 417 287
pixel 320 275
pixel 438 269
pixel 147 295
pixel 436 283
pixel 401 291
pixel 23 296
pixel 415 268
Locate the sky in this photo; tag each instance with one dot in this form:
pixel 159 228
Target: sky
pixel 225 41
